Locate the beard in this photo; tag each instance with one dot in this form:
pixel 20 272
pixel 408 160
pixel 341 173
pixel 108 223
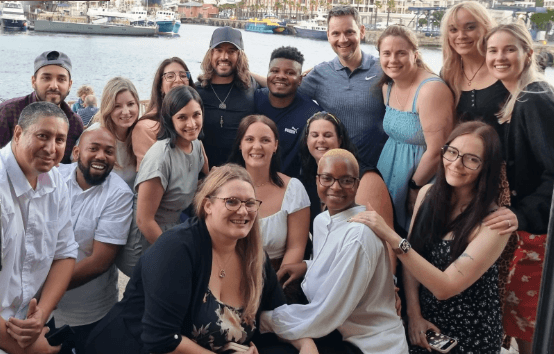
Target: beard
pixel 93 180
pixel 43 96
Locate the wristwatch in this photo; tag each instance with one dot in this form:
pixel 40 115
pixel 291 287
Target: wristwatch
pixel 403 247
pixel 413 185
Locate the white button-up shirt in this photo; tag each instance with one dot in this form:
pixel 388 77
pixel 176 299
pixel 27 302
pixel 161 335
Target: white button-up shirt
pixel 36 230
pixel 102 213
pixel 349 286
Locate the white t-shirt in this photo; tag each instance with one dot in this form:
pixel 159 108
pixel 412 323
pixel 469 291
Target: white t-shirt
pixel 102 213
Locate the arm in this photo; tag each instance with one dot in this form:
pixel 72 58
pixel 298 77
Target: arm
pixel 206 166
pixel 143 137
pixel 261 80
pixel 305 345
pixel 373 190
pixel 149 197
pixel 55 285
pixel 298 228
pixel 102 257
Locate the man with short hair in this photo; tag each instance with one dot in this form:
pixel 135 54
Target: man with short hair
pixel 289 109
pixel 347 85
pixel 38 246
pixel 51 82
pixel 101 212
pixel 227 90
pixel 89 109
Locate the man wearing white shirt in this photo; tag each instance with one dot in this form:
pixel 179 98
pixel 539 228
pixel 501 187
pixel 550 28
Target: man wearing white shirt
pixel 101 211
pixel 349 283
pixel 38 246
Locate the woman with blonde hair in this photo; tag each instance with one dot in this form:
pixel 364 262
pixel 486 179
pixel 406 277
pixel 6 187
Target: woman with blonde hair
pixel 418 119
pixel 528 133
pixel 118 112
pixel 203 284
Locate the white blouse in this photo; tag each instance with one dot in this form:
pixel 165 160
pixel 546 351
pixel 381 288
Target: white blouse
pixel 349 287
pixel 274 227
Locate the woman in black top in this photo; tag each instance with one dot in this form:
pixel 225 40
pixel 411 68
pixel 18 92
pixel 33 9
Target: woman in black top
pixel 203 284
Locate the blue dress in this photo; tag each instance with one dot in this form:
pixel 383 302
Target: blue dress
pixel 402 152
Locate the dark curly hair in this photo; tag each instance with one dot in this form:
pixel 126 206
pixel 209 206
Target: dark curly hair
pixel 288 52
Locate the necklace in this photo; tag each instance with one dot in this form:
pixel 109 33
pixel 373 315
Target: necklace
pixel 473 77
pixel 401 106
pixel 222 271
pixel 263 184
pixel 222 104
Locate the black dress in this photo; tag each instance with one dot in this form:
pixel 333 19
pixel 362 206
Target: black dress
pixel 473 317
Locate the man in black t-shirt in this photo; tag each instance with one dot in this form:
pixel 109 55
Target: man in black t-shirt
pixel 289 109
pixel 227 91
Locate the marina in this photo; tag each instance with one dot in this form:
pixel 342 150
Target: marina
pixel 12 16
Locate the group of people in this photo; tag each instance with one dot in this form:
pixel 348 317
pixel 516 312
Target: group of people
pixel 271 212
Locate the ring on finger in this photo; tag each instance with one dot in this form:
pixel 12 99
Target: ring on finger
pixel 509 223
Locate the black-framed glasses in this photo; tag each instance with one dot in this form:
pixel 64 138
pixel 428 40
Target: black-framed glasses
pixel 233 204
pixel 345 182
pixel 171 76
pixel 450 153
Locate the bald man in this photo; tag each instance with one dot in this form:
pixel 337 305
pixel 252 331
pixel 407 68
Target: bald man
pixel 101 209
pixel 349 283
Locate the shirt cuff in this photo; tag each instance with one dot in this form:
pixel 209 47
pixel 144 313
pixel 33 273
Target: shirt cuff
pixel 266 322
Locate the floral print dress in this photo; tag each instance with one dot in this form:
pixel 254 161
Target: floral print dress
pixel 218 324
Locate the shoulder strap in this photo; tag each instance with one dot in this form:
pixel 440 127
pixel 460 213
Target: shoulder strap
pixel 389 88
pixel 429 79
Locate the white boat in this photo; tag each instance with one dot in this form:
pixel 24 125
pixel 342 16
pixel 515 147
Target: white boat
pixel 94 28
pixel 167 21
pixel 314 28
pixel 12 16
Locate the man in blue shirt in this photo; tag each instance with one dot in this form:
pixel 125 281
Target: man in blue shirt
pixel 346 86
pixel 289 109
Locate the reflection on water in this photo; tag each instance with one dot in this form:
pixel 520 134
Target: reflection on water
pixel 96 59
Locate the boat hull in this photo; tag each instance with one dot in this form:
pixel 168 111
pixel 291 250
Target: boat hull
pixel 259 27
pixel 165 26
pixel 307 33
pixel 88 28
pixel 281 30
pixel 15 25
pixel 176 27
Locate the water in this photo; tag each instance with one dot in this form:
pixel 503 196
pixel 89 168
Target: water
pixel 96 59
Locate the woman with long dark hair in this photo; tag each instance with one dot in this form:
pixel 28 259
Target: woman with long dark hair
pixel 450 276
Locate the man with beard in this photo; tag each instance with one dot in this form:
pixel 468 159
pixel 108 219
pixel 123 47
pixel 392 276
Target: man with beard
pixel 227 90
pixel 51 82
pixel 101 211
pixel 288 109
pixel 38 246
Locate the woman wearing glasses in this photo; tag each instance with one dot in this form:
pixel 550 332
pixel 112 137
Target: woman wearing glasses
pixel 168 176
pixel 285 212
pixel 171 73
pixel 203 284
pixel 450 276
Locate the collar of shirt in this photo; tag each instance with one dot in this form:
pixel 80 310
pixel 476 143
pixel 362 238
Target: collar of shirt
pixel 337 219
pixel 367 61
pixel 71 177
pixel 21 185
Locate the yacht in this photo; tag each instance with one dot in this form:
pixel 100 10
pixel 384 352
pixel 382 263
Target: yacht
pixel 167 21
pixel 313 28
pixel 12 16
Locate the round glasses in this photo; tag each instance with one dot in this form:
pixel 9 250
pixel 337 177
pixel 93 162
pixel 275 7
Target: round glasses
pixel 450 153
pixel 328 180
pixel 171 76
pixel 233 204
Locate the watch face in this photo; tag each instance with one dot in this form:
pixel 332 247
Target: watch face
pixel 405 246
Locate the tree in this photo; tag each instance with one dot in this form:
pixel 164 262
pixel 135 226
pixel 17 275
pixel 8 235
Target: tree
pixel 422 22
pixel 313 3
pixel 278 5
pixel 542 20
pixel 436 18
pixel 378 5
pixel 390 5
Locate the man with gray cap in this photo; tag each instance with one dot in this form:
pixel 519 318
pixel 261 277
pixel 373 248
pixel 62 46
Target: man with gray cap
pixel 227 90
pixel 51 82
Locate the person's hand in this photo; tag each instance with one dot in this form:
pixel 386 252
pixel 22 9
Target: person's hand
pixel 307 72
pixel 410 201
pixel 251 350
pixel 373 220
pixel 293 270
pixel 503 219
pixel 41 346
pixel 398 302
pixel 25 332
pixel 417 327
pixel 309 347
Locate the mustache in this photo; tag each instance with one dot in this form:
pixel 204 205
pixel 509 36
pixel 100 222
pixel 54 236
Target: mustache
pixel 54 91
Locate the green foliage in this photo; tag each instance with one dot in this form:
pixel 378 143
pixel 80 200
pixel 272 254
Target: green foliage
pixel 436 18
pixel 542 20
pixel 422 22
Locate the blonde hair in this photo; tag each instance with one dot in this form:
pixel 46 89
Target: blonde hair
pixel 85 90
pixel 242 75
pixel 410 37
pixel 249 248
pixel 530 71
pixel 113 88
pixel 345 155
pixel 451 71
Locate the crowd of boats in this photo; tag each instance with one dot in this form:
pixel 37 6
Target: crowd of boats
pixel 315 27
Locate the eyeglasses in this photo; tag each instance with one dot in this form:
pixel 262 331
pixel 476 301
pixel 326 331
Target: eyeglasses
pixel 328 180
pixel 450 153
pixel 233 204
pixel 171 76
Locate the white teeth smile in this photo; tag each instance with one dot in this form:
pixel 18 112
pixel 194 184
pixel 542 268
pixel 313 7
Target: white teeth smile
pixel 322 148
pixel 256 156
pixel 239 222
pixel 98 167
pixel 501 66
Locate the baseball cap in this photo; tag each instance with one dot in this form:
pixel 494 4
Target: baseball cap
pixel 53 58
pixel 227 35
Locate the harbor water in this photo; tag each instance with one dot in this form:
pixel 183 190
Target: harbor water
pixel 96 59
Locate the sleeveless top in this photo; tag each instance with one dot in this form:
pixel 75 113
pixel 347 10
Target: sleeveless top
pixel 402 151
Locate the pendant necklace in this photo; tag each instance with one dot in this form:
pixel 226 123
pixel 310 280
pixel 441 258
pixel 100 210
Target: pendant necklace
pixel 222 271
pixel 473 77
pixel 222 104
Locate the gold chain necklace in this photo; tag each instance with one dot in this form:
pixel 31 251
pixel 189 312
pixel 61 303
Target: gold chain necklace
pixel 473 77
pixel 222 273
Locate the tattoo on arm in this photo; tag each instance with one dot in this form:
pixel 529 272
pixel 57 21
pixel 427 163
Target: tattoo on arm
pixel 459 271
pixel 466 255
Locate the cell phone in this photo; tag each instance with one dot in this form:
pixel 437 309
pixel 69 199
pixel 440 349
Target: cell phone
pixel 58 336
pixel 440 342
pixel 233 347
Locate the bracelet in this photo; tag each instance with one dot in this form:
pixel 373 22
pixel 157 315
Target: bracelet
pixel 413 185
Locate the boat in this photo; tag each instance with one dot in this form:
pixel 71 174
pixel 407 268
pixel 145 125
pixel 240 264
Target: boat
pixel 167 22
pixel 12 16
pixel 315 28
pixel 265 25
pixel 100 26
